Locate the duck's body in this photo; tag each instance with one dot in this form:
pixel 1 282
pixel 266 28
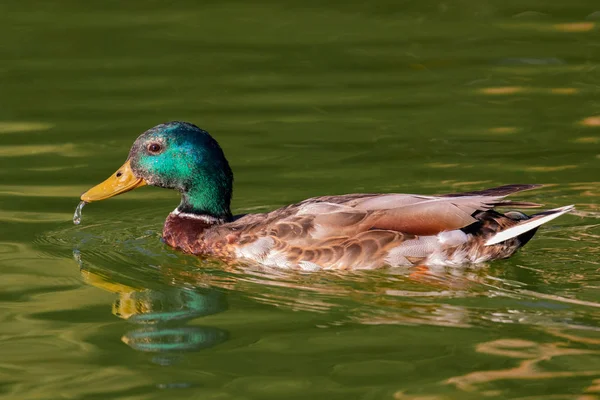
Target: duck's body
pixel 361 231
pixel 355 231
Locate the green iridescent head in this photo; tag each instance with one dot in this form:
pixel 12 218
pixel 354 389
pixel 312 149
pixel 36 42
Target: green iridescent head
pixel 176 155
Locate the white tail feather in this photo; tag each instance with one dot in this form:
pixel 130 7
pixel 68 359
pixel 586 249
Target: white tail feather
pixel 528 225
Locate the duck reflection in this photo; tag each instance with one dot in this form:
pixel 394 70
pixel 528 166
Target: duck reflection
pixel 160 313
pixel 163 316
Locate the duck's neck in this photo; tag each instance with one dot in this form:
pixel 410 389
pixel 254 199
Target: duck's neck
pixel 208 201
pixel 206 219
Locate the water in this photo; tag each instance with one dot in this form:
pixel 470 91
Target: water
pixel 78 213
pixel 306 99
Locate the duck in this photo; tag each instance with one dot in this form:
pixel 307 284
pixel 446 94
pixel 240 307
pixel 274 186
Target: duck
pixel 332 232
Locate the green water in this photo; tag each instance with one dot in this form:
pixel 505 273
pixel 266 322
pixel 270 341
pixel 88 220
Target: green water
pixel 306 98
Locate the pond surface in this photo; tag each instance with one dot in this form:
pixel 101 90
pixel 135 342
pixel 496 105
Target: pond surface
pixel 306 98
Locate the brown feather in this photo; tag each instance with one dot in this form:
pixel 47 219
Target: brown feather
pixel 430 217
pixel 504 190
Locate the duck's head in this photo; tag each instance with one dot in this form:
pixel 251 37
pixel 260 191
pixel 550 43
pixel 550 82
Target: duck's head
pixel 176 155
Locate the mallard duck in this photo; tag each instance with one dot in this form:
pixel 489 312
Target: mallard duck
pixel 352 231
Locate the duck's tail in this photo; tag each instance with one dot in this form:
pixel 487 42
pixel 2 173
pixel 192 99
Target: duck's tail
pixel 526 228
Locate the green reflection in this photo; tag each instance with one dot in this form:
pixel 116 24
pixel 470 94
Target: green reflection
pixel 164 312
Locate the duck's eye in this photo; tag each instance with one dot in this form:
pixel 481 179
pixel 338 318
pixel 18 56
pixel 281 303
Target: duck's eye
pixel 154 148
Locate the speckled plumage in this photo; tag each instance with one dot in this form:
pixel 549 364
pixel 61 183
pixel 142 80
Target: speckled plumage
pixel 359 231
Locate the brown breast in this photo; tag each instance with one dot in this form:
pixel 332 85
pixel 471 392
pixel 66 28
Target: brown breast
pixel 199 236
pixel 185 233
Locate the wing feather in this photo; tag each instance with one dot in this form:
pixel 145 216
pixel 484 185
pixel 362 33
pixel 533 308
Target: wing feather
pixel 320 218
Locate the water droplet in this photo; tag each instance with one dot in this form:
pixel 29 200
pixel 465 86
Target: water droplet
pixel 77 215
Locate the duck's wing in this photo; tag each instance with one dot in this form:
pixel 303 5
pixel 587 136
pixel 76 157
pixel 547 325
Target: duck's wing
pixel 322 218
pixel 414 215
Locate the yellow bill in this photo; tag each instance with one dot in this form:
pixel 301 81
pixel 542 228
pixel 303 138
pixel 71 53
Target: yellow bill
pixel 120 182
